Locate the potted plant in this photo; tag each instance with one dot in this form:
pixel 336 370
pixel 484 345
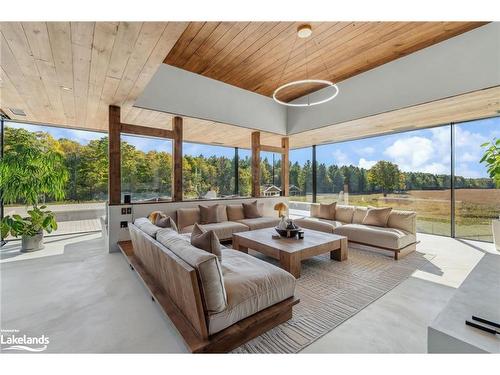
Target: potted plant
pixel 491 158
pixel 30 228
pixel 31 170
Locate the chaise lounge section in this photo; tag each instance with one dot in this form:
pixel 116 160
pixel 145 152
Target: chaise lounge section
pixel 215 305
pixel 398 235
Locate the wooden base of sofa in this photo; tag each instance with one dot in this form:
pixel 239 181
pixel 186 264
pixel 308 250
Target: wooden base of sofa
pixel 398 254
pixel 223 341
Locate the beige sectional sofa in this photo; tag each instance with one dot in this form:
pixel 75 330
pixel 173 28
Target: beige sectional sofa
pixel 398 236
pixel 211 296
pixel 232 220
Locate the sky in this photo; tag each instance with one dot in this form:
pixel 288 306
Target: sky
pixel 426 150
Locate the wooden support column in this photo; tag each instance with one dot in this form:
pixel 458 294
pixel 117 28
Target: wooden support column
pixel 256 164
pixel 114 165
pixel 285 177
pixel 177 159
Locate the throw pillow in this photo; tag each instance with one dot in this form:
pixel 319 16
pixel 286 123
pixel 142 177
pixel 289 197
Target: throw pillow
pixel 326 211
pixel 164 221
pixel 344 214
pixel 206 240
pixel 209 214
pixel 251 210
pixel 154 215
pixel 359 215
pixel 377 216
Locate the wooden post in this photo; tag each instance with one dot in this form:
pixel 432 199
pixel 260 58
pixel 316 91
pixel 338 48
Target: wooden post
pixel 114 168
pixel 256 164
pixel 177 159
pixel 285 177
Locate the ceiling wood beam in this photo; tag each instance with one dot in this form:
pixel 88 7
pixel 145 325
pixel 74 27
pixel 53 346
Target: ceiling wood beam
pixel 276 149
pixel 114 156
pixel 177 126
pixel 146 131
pixel 255 164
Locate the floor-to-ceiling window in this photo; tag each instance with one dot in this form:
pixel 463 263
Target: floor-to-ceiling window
pixel 409 171
pixel 301 174
pixel 270 174
pixel 477 199
pixel 146 168
pixel 244 172
pixel 84 158
pixel 413 171
pixel 208 171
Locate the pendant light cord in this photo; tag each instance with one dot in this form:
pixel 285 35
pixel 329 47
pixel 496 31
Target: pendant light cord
pixel 287 60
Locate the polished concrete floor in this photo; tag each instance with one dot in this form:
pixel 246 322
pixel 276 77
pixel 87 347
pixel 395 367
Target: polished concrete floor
pixel 86 300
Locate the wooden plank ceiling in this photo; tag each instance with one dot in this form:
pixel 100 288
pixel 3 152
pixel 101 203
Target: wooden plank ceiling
pixel 68 73
pixel 260 56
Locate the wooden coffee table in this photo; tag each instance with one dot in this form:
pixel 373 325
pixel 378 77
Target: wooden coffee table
pixel 290 252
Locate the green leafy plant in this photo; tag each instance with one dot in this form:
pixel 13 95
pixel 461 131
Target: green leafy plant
pixel 491 158
pixel 39 219
pixel 31 170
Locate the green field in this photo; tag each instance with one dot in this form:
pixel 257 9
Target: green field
pixel 474 209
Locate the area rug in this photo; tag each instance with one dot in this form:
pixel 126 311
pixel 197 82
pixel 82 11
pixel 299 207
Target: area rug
pixel 331 292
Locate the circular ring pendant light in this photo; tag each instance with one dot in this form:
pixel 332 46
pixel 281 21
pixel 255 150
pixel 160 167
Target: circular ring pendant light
pixel 303 82
pixel 305 31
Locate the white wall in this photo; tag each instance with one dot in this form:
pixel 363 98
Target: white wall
pixel 142 210
pixel 467 62
pixel 178 91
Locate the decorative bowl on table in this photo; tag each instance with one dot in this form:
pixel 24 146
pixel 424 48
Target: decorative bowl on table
pixel 289 231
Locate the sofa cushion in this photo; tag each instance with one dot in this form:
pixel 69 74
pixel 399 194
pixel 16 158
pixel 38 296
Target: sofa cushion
pixel 206 265
pixel 223 230
pixel 205 240
pixel 146 226
pixel 323 211
pixel 315 223
pixel 377 216
pixel 141 220
pixel 252 285
pixel 222 213
pixel 251 210
pixel 209 214
pixel 164 221
pixel 405 220
pixel 344 213
pixel 187 217
pixel 390 238
pixel 359 215
pixel 260 222
pixel 235 212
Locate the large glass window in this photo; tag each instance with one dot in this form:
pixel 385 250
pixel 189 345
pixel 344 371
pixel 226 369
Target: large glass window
pixel 477 199
pixel 84 157
pixel 300 172
pixel 409 171
pixel 208 171
pixel 244 172
pixel 146 168
pixel 270 174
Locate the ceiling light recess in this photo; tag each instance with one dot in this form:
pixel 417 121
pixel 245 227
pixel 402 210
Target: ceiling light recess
pixel 304 32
